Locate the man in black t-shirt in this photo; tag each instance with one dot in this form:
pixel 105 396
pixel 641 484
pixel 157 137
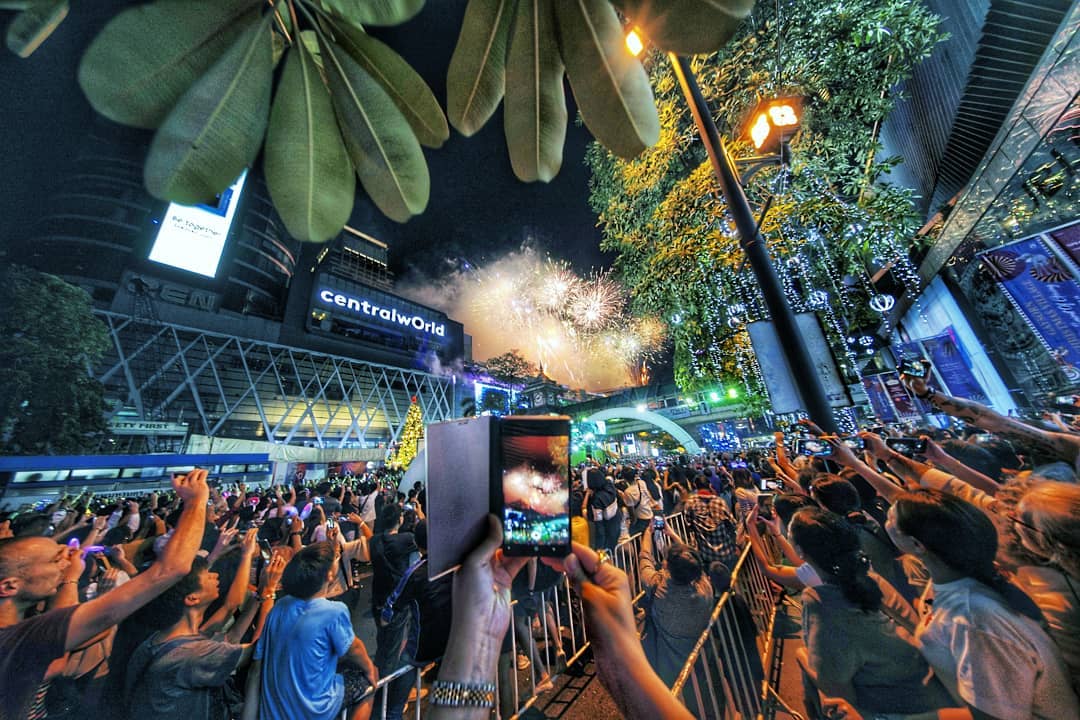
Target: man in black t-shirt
pixel 392 553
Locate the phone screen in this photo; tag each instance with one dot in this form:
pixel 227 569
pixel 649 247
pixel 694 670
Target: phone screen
pixel 855 443
pixel 915 368
pixel 812 447
pixel 534 469
pixel 906 445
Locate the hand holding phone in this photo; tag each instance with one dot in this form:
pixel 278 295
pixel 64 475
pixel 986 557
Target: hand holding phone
pixel 534 480
pixel 907 446
pixel 812 447
pixel 914 368
pixel 658 522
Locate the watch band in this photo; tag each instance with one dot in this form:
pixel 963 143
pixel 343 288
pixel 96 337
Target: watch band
pixel 452 694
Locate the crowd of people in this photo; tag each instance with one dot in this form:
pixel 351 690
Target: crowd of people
pixel 939 583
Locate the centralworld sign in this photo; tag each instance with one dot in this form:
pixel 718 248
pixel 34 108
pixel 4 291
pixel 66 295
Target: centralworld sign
pixel 386 314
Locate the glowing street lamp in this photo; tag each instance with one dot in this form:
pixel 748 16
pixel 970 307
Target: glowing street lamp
pixel 774 122
pixel 634 42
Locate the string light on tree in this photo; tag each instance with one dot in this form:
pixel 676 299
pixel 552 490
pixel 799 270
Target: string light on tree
pixel 411 435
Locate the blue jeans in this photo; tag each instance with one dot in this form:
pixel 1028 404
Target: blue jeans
pixel 391 653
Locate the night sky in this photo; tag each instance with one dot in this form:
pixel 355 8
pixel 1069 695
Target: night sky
pixel 478 209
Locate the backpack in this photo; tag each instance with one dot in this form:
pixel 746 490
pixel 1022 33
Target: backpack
pixel 603 503
pixel 643 510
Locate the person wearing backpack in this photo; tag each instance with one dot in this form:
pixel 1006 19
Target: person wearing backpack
pixel 639 504
pixel 601 509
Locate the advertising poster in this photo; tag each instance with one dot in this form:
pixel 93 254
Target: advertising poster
pixel 898 395
pixel 952 368
pixel 879 399
pixel 1045 292
pixel 1068 239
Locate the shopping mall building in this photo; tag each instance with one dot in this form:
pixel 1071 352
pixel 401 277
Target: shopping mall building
pixel 223 326
pixel 990 136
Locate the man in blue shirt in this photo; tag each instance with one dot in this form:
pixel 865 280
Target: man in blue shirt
pixel 305 638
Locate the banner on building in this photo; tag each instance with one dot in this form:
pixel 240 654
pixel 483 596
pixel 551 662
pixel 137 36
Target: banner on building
pixel 879 399
pixel 952 367
pixel 1045 293
pixel 1068 239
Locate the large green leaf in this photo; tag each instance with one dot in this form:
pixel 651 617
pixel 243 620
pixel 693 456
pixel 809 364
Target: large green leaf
pixel 535 113
pixel 406 88
pixel 34 25
pixel 308 172
pixel 374 12
pixel 217 127
pixel 476 78
pixel 147 57
pixel 610 85
pixel 382 146
pixel 687 27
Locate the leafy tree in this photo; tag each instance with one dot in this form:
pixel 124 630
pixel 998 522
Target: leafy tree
pixel 495 401
pixel 50 403
pixel 511 367
pixel 833 218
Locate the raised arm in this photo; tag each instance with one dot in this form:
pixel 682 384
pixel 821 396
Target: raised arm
pixel 843 455
pixel 109 609
pixel 936 454
pixel 1060 445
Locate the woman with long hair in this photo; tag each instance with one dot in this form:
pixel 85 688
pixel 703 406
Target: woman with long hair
pixel 1047 520
pixel 853 650
pixel 981 633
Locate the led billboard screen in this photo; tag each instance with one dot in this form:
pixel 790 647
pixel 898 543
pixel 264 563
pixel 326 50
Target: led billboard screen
pixel 192 237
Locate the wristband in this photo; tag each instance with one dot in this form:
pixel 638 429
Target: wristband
pixel 452 694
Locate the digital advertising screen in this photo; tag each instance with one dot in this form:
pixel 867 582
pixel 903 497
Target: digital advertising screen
pixel 192 237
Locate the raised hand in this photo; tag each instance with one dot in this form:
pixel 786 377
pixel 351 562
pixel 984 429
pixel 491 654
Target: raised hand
pixel 875 445
pixel 108 580
pixel 250 542
pixel 192 487
pixel 482 588
pixel 272 573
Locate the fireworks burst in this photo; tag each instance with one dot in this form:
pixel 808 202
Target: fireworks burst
pixel 579 328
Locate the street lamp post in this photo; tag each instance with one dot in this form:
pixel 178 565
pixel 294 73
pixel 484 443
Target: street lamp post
pixel 800 365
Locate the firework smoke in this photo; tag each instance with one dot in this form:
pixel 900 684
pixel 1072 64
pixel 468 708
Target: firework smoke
pixel 579 328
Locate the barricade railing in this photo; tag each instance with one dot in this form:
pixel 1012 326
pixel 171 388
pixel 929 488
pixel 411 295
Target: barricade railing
pixel 567 617
pixel 725 675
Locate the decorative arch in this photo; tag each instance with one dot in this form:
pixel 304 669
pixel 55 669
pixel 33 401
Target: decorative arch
pixel 647 416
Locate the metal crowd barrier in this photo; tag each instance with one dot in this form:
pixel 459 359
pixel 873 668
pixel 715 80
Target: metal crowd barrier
pixel 734 667
pixel 514 698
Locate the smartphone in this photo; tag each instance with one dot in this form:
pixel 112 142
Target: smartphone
pixel 855 443
pixel 533 485
pixel 764 501
pixel 914 368
pixel 265 550
pixel 330 523
pixel 812 447
pixel 908 446
pixel 658 522
pixel 409 506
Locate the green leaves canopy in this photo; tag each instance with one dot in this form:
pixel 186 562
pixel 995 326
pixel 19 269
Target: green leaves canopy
pixel 832 215
pixel 308 172
pixel 385 153
pixel 217 127
pixel 512 47
pixel 206 86
pixel 133 73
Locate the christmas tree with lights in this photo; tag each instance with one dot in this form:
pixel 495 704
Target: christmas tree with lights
pixel 410 436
